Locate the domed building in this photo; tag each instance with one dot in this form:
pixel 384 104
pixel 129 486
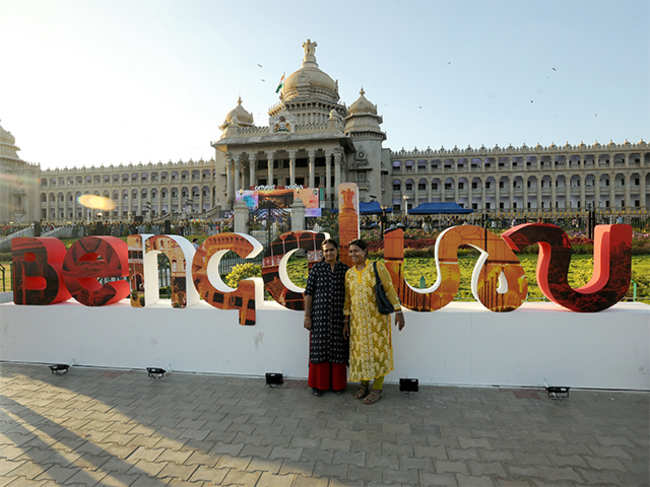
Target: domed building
pixel 18 184
pixel 314 140
pixel 311 138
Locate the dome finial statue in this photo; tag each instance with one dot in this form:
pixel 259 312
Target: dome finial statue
pixel 239 100
pixel 310 51
pixel 362 91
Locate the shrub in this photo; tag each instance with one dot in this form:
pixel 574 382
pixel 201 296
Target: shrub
pixel 243 271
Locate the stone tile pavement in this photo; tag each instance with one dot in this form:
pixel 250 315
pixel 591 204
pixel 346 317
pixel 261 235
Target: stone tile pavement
pixel 121 428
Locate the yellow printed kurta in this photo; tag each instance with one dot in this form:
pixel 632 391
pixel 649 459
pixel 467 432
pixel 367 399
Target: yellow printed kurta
pixel 371 348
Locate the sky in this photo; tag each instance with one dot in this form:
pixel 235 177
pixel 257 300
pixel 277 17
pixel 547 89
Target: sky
pixel 115 82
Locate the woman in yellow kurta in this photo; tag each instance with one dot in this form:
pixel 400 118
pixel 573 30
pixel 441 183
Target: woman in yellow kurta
pixel 371 348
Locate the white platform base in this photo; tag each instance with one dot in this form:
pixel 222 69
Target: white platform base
pixel 462 344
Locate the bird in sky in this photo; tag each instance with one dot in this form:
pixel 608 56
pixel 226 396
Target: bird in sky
pixel 554 68
pixel 259 65
pixel 531 101
pixel 263 80
pixel 420 107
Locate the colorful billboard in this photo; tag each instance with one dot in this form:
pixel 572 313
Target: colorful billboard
pixel 282 198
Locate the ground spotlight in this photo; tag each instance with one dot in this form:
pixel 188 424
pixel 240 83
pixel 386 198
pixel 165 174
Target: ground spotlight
pixel 409 385
pixel 156 372
pixel 274 379
pixel 557 392
pixel 59 369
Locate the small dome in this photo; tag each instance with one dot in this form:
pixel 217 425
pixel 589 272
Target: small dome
pixel 641 142
pixel 309 78
pixel 8 147
pixel 611 143
pixel 362 117
pixel 238 116
pixel 627 142
pixel 596 144
pixel 6 137
pixel 362 105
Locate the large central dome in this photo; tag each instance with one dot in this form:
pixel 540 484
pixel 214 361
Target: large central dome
pixel 309 80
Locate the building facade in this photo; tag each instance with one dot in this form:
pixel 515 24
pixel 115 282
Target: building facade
pixel 314 140
pixel 18 183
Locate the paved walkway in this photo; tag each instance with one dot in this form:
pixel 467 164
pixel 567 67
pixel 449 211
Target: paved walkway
pixel 121 428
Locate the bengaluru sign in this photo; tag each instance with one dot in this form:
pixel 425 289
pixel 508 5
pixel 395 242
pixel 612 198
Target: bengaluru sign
pixel 45 273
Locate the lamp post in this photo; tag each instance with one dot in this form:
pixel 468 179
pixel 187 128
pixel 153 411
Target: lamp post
pixel 405 200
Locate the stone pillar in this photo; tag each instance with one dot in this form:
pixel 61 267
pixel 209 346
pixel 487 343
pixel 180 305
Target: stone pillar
pixel 642 197
pixel 596 191
pixel 338 156
pixel 553 200
pixel 469 193
pixel 228 178
pixel 292 167
pixel 627 160
pixel 312 172
pixel 297 215
pixel 497 194
pixel 269 168
pixel 540 198
pixel 236 167
pixel 251 171
pixel 241 217
pixel 626 182
pixel 583 199
pixel 525 189
pixel 567 192
pixel 612 191
pixel 328 180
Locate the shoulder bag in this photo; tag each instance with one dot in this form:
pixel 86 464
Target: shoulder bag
pixel 383 304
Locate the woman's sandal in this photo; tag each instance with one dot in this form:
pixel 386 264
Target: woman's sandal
pixel 362 392
pixel 373 397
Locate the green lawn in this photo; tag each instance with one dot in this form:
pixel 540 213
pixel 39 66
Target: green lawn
pixel 418 267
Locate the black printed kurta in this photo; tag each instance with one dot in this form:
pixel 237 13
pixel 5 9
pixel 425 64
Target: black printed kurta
pixel 327 290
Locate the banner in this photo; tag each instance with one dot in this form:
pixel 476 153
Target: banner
pixel 282 198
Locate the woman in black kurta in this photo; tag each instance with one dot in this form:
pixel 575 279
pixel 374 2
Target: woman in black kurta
pixel 324 300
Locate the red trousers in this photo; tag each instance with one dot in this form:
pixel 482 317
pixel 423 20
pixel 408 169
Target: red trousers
pixel 326 376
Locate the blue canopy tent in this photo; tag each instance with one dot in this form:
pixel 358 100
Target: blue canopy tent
pixel 372 208
pixel 439 208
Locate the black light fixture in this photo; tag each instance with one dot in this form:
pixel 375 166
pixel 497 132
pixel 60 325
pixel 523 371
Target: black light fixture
pixel 59 369
pixel 156 372
pixel 557 392
pixel 409 385
pixel 274 379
